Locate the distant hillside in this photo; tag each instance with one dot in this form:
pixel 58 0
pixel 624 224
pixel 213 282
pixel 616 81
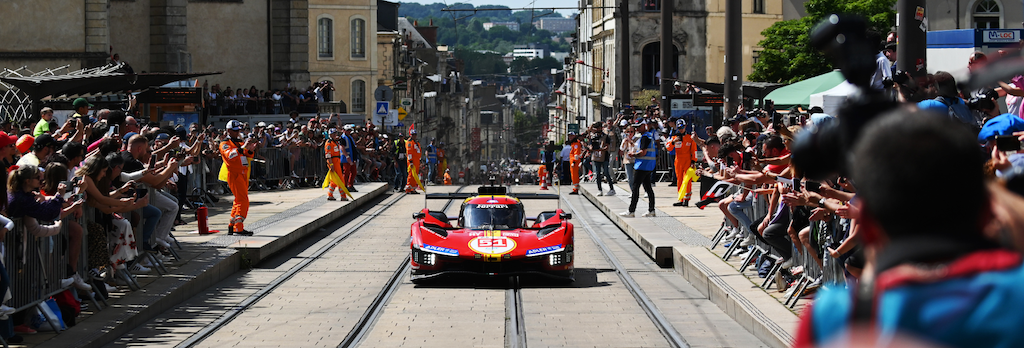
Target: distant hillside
pixel 468 34
pixel 420 11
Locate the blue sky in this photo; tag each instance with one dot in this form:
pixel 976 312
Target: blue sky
pixel 512 3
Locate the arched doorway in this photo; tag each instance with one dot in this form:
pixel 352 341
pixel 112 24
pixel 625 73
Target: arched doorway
pixel 651 64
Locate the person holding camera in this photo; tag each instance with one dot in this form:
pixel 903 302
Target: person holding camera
pixel 598 146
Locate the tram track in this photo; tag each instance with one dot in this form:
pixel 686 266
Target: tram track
pixel 674 338
pixel 515 323
pixel 236 310
pixel 365 323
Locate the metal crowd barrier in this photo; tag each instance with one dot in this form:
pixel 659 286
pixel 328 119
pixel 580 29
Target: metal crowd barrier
pixel 823 234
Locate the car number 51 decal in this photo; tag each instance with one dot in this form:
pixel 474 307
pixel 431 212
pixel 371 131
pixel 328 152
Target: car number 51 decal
pixel 492 245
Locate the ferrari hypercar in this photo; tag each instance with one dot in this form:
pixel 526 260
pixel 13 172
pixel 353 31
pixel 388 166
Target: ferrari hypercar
pixel 492 236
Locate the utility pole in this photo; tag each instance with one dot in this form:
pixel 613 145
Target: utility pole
pixel 625 88
pixel 733 56
pixel 910 55
pixel 667 7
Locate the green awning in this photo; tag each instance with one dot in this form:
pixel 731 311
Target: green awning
pixel 800 93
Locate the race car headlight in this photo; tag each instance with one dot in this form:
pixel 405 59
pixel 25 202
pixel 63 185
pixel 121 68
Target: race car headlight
pixel 424 257
pixel 429 258
pixel 560 258
pixel 440 232
pixel 547 230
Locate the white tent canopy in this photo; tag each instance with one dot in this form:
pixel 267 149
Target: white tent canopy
pixel 831 100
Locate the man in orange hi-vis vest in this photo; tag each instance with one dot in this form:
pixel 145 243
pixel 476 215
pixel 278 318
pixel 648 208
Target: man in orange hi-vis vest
pixel 236 161
pixel 413 154
pixel 686 154
pixel 575 159
pixel 333 150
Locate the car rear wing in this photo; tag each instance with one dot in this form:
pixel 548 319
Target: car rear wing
pixel 465 195
pixel 490 190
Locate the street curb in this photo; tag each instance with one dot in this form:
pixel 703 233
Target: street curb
pixel 656 243
pixel 692 262
pixel 253 255
pixel 189 280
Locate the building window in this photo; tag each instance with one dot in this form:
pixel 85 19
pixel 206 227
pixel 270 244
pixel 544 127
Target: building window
pixel 986 15
pixel 358 96
pixel 755 57
pixel 652 5
pixel 325 37
pixel 758 7
pixel 358 38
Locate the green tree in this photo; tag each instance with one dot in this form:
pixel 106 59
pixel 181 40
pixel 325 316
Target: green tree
pixel 788 55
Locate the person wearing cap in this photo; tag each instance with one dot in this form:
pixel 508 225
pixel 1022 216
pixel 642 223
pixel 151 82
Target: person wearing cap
pixel 645 157
pixel 447 177
pixel 43 126
pixel 81 106
pixel 575 160
pixel 333 150
pixel 413 155
pixel 685 154
pixel 431 162
pixel 351 157
pixel 7 150
pixel 236 160
pixel 42 148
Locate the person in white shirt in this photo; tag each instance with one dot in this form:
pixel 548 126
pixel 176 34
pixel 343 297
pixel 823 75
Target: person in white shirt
pixel 883 68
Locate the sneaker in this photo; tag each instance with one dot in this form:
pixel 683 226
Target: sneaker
pixel 162 243
pixel 600 193
pixel 626 214
pixel 81 284
pixel 331 198
pixel 686 203
pixel 787 264
pixel 610 193
pixel 352 189
pixel 139 268
pixel 66 282
pixel 109 288
pixel 574 192
pixel 645 195
pixel 649 214
pixel 741 251
pixel 294 175
pixel 24 329
pixel 95 274
pixel 747 241
pixel 678 204
pixel 5 311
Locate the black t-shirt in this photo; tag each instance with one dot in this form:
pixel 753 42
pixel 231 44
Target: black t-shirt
pixel 597 141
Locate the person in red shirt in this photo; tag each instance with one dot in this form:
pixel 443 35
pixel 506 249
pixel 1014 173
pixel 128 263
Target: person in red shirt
pixel 236 157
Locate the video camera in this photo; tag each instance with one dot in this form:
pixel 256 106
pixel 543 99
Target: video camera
pixel 823 153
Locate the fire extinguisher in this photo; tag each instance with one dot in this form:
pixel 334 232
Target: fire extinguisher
pixel 201 215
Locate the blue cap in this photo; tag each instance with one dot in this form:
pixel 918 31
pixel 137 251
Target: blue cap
pixel 129 135
pixel 162 136
pixel 933 106
pixel 1005 124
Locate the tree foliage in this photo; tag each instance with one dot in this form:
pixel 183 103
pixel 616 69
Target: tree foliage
pixel 788 55
pixel 465 31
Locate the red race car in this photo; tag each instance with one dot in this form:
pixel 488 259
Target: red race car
pixel 492 236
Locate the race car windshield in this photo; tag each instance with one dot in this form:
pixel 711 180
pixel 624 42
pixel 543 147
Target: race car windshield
pixel 493 216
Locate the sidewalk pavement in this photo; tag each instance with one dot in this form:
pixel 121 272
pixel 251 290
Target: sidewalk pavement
pixel 679 237
pixel 278 219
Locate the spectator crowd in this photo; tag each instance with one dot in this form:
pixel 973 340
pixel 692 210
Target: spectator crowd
pixel 933 186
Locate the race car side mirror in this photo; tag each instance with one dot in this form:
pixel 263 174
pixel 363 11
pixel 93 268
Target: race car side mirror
pixel 419 215
pixel 566 216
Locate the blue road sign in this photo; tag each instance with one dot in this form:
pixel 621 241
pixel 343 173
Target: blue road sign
pixel 383 108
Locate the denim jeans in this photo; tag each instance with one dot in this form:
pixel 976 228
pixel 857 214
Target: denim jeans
pixel 603 167
pixel 630 173
pixel 152 216
pixel 737 209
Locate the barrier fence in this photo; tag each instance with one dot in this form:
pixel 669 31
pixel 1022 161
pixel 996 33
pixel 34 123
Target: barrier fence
pixel 824 234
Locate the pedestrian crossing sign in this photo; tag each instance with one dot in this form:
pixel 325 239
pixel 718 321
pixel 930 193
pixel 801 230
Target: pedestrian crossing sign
pixel 383 108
